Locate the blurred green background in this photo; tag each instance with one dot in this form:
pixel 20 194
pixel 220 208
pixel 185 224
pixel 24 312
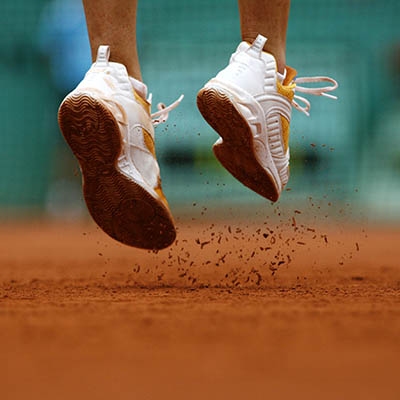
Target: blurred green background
pixel 347 152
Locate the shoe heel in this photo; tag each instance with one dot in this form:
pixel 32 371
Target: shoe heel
pixel 236 150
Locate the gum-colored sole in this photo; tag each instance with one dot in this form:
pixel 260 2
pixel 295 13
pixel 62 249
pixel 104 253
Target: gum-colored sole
pixel 121 207
pixel 236 152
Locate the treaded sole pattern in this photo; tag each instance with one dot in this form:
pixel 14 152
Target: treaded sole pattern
pixel 236 152
pixel 121 207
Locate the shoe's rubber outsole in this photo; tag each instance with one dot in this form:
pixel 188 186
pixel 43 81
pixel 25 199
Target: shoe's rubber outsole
pixel 236 152
pixel 119 205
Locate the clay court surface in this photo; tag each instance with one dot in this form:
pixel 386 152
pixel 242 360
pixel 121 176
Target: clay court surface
pixel 232 311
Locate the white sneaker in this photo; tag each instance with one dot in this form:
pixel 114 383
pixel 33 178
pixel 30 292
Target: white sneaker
pixel 107 123
pixel 249 104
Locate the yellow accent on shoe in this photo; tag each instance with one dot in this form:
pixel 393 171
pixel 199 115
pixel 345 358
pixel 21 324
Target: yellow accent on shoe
pixel 287 87
pixel 143 102
pixel 148 140
pixel 160 193
pixel 286 91
pixel 285 132
pixel 290 75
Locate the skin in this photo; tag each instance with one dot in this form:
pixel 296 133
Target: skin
pixel 113 22
pixel 270 19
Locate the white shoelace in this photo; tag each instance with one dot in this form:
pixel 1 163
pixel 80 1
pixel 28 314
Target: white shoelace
pixel 322 91
pixel 163 110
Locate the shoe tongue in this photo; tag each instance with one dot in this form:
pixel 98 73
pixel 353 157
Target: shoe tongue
pixel 140 88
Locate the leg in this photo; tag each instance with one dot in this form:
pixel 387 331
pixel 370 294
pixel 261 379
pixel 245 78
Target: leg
pixel 270 19
pixel 108 124
pixel 113 23
pixel 254 127
pixel 249 104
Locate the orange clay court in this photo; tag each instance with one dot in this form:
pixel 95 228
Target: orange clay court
pixel 232 310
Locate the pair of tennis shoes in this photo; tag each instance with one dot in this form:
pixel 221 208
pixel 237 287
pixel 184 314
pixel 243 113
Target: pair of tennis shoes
pixel 108 124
